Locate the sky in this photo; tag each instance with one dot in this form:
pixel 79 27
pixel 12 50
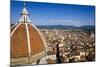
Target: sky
pixel 54 14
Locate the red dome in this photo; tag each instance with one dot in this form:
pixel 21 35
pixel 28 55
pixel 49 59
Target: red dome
pixel 26 42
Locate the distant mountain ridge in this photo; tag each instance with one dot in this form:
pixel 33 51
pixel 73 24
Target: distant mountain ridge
pixel 88 27
pixel 85 27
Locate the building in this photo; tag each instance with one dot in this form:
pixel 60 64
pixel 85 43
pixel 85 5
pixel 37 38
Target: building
pixel 27 42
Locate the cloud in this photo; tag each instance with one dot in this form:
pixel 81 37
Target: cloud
pixel 58 22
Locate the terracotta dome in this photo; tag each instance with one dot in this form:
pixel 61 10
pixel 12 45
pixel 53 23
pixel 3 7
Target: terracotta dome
pixel 27 42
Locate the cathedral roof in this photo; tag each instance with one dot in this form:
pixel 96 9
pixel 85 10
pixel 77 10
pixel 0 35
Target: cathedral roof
pixel 27 42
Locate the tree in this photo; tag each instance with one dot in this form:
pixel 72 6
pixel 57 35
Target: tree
pixel 57 54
